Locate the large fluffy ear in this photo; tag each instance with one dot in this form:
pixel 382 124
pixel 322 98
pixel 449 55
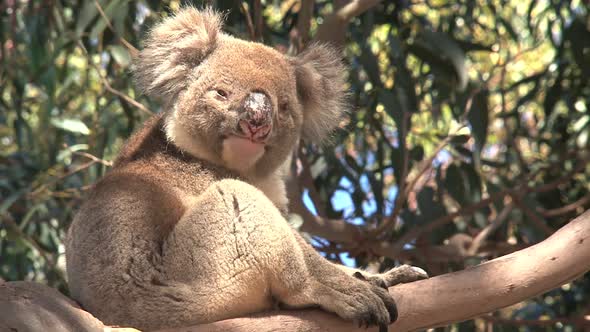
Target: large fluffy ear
pixel 321 86
pixel 173 48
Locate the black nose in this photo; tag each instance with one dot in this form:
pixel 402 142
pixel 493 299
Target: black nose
pixel 256 110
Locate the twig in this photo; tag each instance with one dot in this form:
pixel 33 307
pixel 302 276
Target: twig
pixel 132 50
pixel 405 191
pixel 426 164
pixel 9 221
pixel 540 224
pixel 249 24
pixel 468 210
pixel 61 177
pixel 108 86
pixel 519 192
pixel 94 158
pixel 565 209
pixel 70 192
pixel 489 229
pixel 339 231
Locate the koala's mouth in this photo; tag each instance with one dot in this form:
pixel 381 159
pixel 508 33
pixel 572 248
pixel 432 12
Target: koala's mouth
pixel 255 131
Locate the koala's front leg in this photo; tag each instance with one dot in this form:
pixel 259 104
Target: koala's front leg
pixel 249 254
pixel 331 288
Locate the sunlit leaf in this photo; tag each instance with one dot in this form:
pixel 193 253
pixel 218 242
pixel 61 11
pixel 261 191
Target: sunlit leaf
pixel 121 55
pixel 72 125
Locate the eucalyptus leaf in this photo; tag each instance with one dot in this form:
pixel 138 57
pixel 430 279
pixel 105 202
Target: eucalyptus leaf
pixel 121 55
pixel 478 118
pixel 441 51
pixel 72 125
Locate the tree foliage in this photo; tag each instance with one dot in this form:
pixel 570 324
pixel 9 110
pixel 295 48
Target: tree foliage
pixel 467 137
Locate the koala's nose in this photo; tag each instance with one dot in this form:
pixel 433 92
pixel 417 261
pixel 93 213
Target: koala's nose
pixel 256 116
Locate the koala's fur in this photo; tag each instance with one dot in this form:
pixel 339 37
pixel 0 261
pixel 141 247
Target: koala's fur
pixel 188 227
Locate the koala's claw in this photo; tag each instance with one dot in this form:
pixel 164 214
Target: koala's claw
pixel 403 274
pixel 390 306
pixel 366 305
pixel 398 275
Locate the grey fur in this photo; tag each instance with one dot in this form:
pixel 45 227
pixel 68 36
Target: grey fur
pixel 188 227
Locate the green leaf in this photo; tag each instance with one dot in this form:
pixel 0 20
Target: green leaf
pixel 473 181
pixel 66 153
pixel 471 46
pixel 444 54
pixel 554 93
pixel 295 221
pixel 579 37
pixel 430 209
pixel 460 139
pixel 7 203
pixel 110 11
pixel 478 118
pixel 72 125
pixel 353 164
pixel 121 55
pixel 87 15
pixel 417 153
pixel 509 28
pixel 369 62
pixel 397 103
pixel 454 182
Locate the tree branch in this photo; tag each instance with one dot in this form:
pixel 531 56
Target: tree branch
pixel 456 296
pixel 490 229
pixel 566 208
pixel 423 304
pixel 334 27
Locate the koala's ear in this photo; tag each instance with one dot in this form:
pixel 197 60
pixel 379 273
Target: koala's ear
pixel 173 48
pixel 321 87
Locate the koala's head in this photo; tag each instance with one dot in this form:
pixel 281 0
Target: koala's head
pixel 238 104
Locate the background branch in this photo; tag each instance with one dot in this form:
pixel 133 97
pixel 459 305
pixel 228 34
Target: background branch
pixel 333 29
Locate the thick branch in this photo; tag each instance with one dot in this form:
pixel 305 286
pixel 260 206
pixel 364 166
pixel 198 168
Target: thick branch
pixel 434 302
pixel 456 296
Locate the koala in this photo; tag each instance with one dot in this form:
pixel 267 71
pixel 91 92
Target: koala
pixel 189 226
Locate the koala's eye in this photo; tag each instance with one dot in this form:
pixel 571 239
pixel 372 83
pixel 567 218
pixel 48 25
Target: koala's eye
pixel 220 94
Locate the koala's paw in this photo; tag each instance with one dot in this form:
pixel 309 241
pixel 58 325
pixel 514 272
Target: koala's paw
pixel 365 304
pixel 398 275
